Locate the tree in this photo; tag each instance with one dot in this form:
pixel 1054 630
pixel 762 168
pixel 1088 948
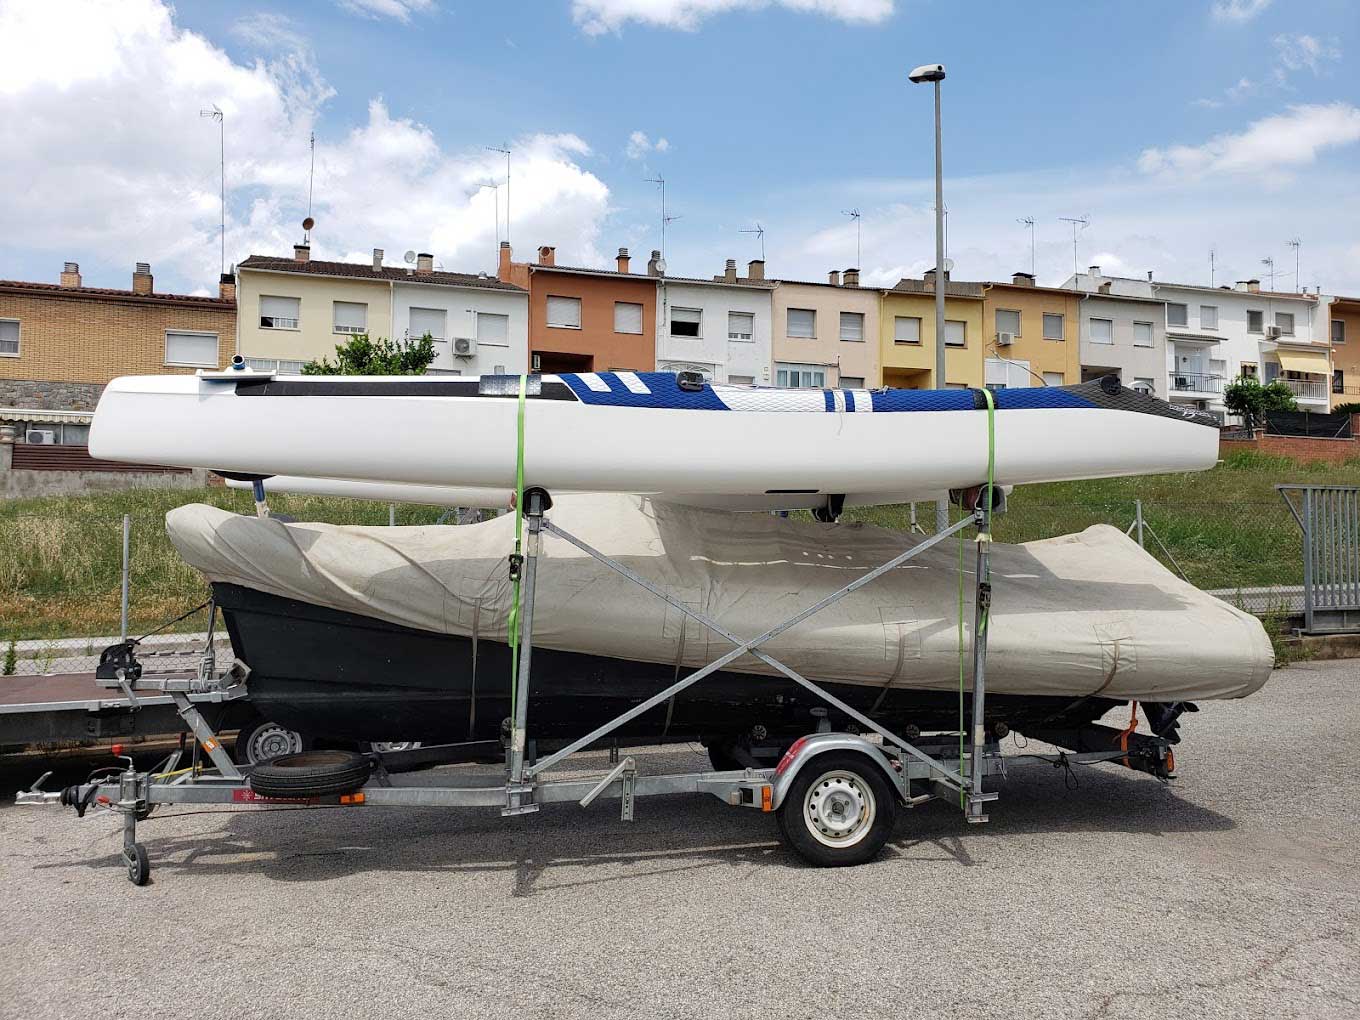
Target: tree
pixel 361 356
pixel 1246 396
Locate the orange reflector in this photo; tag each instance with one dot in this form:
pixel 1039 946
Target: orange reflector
pixel 767 798
pixel 351 798
pixel 1170 760
pixel 210 744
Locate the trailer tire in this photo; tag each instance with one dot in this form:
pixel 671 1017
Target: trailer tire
pixel 311 774
pixel 262 740
pixel 839 810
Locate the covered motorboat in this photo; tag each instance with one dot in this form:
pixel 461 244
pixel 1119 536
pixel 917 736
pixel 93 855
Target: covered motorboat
pixel 372 633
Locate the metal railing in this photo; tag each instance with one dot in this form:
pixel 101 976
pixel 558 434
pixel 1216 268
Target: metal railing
pixel 1330 518
pixel 1196 382
pixel 1307 388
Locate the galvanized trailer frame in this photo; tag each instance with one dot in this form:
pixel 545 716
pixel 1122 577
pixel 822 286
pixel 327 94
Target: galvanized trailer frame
pixel 915 770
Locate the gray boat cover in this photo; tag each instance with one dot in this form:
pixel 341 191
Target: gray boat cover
pixel 1084 614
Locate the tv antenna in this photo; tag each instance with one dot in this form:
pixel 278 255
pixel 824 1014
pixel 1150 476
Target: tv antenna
pixel 854 215
pixel 759 231
pixel 311 174
pixel 1213 253
pixel 1079 223
pixel 1269 263
pixel 1295 243
pixel 660 180
pixel 1028 221
pixel 215 113
pixel 506 150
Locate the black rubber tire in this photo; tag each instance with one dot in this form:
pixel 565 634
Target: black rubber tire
pixel 793 826
pixel 138 864
pixel 311 774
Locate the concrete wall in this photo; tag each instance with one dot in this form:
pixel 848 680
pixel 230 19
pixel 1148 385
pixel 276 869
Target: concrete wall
pixel 23 484
pixel 841 358
pixel 1122 356
pixel 462 305
pixel 713 350
pixel 49 396
pixel 315 336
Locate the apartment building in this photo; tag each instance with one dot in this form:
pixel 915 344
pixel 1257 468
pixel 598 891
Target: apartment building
pixel 718 327
pixel 907 334
pixel 824 334
pixel 1032 334
pixel 1122 332
pixel 61 343
pixel 298 310
pixel 1343 323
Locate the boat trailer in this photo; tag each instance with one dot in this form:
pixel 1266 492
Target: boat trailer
pixel 834 794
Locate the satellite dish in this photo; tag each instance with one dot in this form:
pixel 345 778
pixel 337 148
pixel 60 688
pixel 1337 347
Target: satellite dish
pixel 410 256
pixel 661 265
pixel 308 223
pixel 948 265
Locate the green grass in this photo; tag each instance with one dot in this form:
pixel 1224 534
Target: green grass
pixel 60 557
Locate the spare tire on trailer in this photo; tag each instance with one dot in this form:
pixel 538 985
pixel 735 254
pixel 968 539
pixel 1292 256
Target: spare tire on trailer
pixel 311 774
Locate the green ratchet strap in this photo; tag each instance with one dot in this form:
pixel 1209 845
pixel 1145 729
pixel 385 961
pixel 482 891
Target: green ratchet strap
pixel 983 536
pixel 517 558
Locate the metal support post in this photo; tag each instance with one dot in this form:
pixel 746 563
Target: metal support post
pixel 189 712
pixel 1138 520
pixel 982 610
pixel 127 568
pixel 518 794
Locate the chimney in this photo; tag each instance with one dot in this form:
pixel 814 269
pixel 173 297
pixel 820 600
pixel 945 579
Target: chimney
pixel 547 256
pixel 503 267
pixel 833 278
pixel 424 263
pixel 730 271
pixel 852 277
pixel 623 260
pixel 1093 271
pixel 70 274
pixel 1149 276
pixel 655 264
pixel 1022 279
pixel 141 278
pixel 755 269
pixel 1253 286
pixel 1105 287
pixel 226 287
pixel 302 253
pixel 377 260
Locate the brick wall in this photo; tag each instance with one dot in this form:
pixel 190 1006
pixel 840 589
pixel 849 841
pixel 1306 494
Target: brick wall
pixel 69 338
pixel 1299 448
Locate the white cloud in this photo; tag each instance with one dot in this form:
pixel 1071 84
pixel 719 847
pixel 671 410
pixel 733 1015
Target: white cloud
pixel 597 17
pixel 1270 148
pixel 1239 11
pixel 401 10
pixel 1303 52
pixel 100 126
pixel 639 145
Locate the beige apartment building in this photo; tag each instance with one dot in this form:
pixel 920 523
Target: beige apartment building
pixel 824 334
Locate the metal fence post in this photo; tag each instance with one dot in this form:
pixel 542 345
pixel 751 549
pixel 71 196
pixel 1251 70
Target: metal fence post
pixel 1138 519
pixel 123 614
pixel 391 515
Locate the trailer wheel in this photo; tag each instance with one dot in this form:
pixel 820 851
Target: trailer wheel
pixel 261 739
pixel 839 810
pixel 311 774
pixel 138 864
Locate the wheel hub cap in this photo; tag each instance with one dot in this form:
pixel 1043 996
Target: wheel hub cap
pixel 839 809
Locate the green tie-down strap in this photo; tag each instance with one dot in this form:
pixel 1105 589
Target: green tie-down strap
pixel 513 624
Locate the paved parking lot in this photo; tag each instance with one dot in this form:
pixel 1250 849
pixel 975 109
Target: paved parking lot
pixel 1234 892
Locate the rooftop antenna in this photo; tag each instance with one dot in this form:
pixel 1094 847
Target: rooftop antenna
pixel 854 215
pixel 215 113
pixel 1295 243
pixel 660 180
pixel 759 231
pixel 1028 221
pixel 1212 254
pixel 1079 223
pixel 506 150
pixel 311 175
pixel 1269 263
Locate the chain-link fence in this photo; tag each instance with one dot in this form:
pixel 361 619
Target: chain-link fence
pixel 62 572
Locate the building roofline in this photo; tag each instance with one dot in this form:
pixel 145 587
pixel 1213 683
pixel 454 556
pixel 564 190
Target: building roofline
pixel 388 274
pixel 34 289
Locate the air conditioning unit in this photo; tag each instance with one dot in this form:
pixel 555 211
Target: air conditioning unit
pixel 1005 339
pixel 464 347
pixel 1272 332
pixel 41 437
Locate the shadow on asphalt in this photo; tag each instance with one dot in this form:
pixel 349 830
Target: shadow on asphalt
pixel 559 846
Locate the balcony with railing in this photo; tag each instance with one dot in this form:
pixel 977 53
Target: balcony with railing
pixel 1196 382
pixel 1307 389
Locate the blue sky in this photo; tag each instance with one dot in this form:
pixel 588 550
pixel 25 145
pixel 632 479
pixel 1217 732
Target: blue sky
pixel 1229 124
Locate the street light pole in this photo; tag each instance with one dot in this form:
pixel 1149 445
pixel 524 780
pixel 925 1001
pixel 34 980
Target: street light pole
pixel 935 73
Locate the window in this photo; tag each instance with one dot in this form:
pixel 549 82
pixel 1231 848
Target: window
pixel 1208 316
pixel 1145 386
pixel 498 370
pixel 1256 321
pixel 852 382
pixel 1053 378
pixel 852 326
pixel 906 329
pixel 955 333
pixel 279 312
pixel 275 365
pixel 957 386
pixel 802 323
pixel 9 337
pixel 1338 381
pixel 1338 332
pixel 1102 331
pixel 627 317
pixel 1054 325
pixel 790 376
pixel 741 325
pixel 741 380
pixel 1142 334
pixel 350 317
pixel 185 348
pixel 493 329
pixel 564 312
pixel 1285 321
pixel 433 321
pixel 1007 321
pixel 1250 370
pixel 686 322
pixel 1177 315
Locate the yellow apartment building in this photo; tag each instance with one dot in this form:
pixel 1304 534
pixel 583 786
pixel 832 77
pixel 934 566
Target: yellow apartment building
pixel 907 334
pixel 1032 334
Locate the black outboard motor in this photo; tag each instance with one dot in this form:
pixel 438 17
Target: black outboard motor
pixel 1163 717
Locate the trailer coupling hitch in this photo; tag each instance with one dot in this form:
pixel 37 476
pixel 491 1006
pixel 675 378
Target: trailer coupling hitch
pixel 516 566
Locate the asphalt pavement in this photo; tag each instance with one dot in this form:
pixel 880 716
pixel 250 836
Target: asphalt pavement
pixel 1232 892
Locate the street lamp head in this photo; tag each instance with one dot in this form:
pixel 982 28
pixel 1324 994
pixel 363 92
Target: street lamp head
pixel 927 72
